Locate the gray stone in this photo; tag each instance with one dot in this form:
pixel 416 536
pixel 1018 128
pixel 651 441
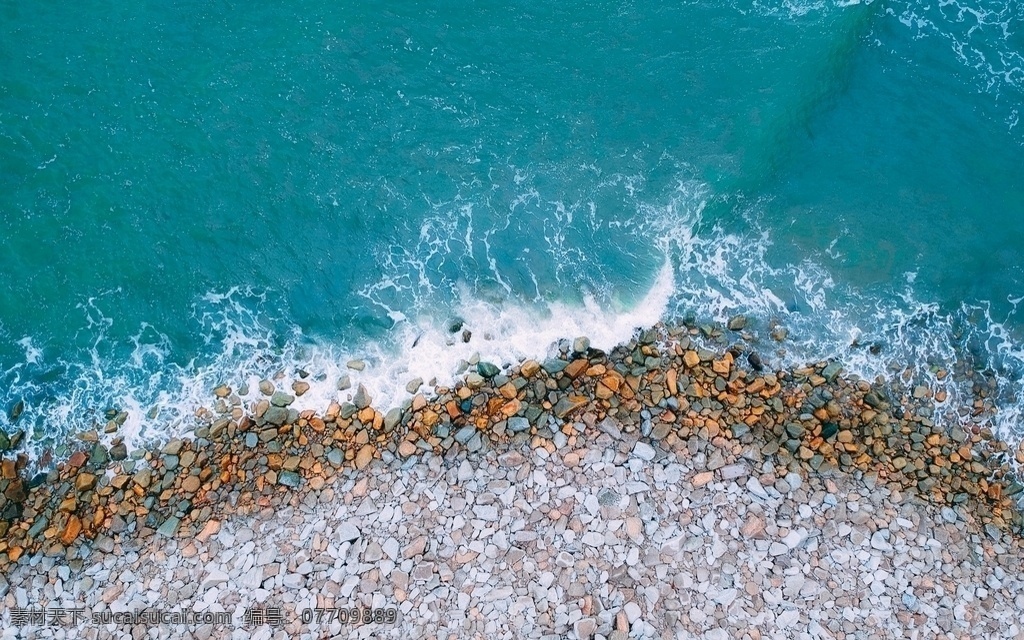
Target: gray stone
pixel 414 385
pixel 585 628
pixel 463 435
pixel 392 418
pixel 554 365
pixel 281 399
pixel 516 424
pixel 734 471
pixel 362 398
pixel 581 344
pixel 831 371
pixel 348 532
pixel 644 451
pixel 276 415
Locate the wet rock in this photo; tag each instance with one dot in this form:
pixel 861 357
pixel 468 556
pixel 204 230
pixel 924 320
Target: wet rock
pixel 737 323
pixel 300 387
pixel 266 387
pixel 554 365
pixel 356 365
pixel 581 344
pixel 487 370
pixel 276 415
pixel 414 385
pixel 281 399
pixel 529 368
pixel 831 371
pixel 392 418
pixel 362 398
pixel 754 360
pixel 344 382
pixel 17 410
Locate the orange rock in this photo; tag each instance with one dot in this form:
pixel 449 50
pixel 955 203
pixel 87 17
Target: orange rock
pixel 691 359
pixel 756 386
pixel 429 418
pixel 210 529
pixel 508 391
pixel 453 409
pixel 576 367
pixel 364 456
pixel 703 478
pixel 71 530
pixel 494 405
pixel 511 408
pixel 613 381
pixel 670 381
pixel 529 368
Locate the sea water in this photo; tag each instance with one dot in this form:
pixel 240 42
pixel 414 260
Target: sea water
pixel 202 193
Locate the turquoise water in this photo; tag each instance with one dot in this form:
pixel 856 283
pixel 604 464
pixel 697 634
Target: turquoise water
pixel 195 193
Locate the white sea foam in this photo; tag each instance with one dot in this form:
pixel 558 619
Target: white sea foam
pixel 708 273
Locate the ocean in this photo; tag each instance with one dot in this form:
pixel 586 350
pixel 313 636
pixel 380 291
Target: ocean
pixel 202 193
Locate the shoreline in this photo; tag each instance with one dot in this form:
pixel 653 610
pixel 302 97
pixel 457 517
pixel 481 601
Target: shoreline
pixel 657 490
pixel 659 384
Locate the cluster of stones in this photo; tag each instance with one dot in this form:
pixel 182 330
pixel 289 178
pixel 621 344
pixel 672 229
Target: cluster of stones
pixel 661 385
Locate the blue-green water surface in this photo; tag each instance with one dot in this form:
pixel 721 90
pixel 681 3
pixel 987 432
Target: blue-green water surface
pixel 197 192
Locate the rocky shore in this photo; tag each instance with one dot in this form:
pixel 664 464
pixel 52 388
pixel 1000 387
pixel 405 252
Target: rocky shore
pixel 658 490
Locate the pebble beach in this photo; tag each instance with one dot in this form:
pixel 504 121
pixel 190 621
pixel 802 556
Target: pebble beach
pixel 665 489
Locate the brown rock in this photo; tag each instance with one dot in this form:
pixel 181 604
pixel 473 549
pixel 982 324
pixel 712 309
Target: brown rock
pixel 753 527
pixel 364 456
pixel 691 359
pixel 576 367
pixel 300 387
pixel 210 529
pixel 529 368
pixel 670 381
pixel 703 478
pixel 190 484
pixel 71 530
pixel 406 449
pixel 85 481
